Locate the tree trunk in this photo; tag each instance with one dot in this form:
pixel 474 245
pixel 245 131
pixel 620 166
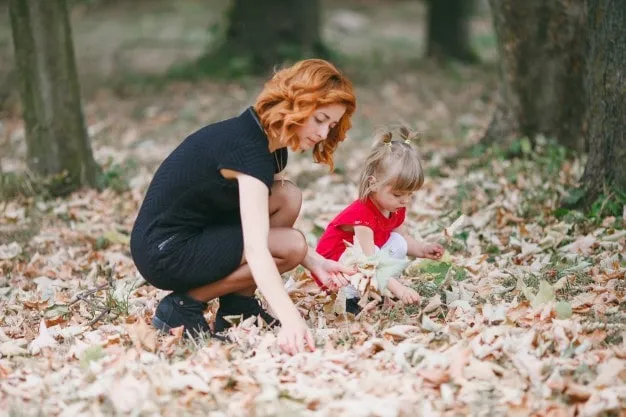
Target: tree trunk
pixel 56 135
pixel 605 172
pixel 541 58
pixel 449 30
pixel 263 34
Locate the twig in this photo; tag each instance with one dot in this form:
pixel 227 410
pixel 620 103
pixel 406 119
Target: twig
pixel 99 316
pixel 83 295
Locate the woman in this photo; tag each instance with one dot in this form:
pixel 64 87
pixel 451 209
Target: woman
pixel 217 219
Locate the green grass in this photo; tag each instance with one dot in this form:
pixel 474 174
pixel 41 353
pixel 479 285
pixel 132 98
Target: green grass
pixel 436 271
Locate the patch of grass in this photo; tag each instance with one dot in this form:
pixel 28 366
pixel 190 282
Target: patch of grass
pixel 610 203
pixel 117 305
pixel 532 281
pixel 426 289
pixel 614 338
pixel 463 193
pixel 437 271
pixel 412 309
pixel 115 176
pixel 30 184
pixel 493 250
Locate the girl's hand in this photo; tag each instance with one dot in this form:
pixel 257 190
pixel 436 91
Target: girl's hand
pixel 295 337
pixel 332 274
pixel 431 250
pixel 407 295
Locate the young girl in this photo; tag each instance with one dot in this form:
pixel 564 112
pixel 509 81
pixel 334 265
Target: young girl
pixel 392 173
pixel 215 223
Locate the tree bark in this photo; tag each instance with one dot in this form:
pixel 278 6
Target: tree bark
pixel 541 51
pixel 449 30
pixel 56 135
pixel 605 172
pixel 263 34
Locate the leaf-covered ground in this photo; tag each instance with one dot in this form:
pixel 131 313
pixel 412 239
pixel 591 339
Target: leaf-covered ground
pixel 523 316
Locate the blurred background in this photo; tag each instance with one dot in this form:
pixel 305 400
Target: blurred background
pixel 151 71
pixel 126 80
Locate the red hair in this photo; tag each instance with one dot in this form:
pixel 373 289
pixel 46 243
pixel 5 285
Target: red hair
pixel 291 96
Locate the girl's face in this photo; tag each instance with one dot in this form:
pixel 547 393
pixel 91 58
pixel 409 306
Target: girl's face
pixel 389 200
pixel 316 128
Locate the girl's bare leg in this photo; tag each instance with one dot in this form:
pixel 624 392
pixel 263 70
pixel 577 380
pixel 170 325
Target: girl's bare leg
pixel 287 246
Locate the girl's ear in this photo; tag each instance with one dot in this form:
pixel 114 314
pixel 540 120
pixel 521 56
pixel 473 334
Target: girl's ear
pixel 371 181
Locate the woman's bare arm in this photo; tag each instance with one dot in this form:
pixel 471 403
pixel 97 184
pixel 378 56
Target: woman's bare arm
pixel 253 197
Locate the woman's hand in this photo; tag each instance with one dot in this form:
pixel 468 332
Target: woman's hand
pixel 330 273
pixel 295 337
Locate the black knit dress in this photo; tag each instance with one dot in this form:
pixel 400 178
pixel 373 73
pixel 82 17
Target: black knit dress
pixel 188 230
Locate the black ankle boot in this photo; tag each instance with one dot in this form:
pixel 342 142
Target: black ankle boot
pixel 352 306
pixel 235 305
pixel 177 310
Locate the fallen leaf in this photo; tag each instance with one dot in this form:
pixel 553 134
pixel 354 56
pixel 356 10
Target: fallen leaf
pixel 433 304
pixel 399 332
pixel 10 251
pixel 493 314
pixel 12 349
pixel 563 310
pixel 142 335
pixel 429 325
pixel 44 340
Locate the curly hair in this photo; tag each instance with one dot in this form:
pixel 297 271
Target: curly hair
pixel 292 95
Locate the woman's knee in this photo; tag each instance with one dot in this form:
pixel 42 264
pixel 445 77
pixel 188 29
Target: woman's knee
pixel 288 244
pixel 286 196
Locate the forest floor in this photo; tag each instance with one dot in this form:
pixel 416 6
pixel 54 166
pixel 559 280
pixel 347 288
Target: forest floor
pixel 524 315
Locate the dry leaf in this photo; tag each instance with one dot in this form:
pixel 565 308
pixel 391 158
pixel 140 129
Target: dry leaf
pixel 10 251
pixel 142 335
pixel 433 304
pixel 429 325
pixel 44 340
pixel 12 349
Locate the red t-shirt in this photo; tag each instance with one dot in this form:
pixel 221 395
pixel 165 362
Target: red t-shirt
pixel 331 244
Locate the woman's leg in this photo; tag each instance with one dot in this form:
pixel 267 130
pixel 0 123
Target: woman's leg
pixel 287 246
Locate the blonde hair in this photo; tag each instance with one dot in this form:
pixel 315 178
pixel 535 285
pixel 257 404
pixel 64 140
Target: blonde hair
pixel 292 95
pixel 392 162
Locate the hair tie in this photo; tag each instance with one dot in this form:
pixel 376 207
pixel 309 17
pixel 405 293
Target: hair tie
pixel 410 137
pixel 387 139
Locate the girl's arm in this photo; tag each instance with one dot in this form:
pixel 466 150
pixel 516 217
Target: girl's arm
pixel 418 249
pixel 365 236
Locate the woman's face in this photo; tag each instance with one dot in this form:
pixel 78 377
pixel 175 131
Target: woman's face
pixel 316 128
